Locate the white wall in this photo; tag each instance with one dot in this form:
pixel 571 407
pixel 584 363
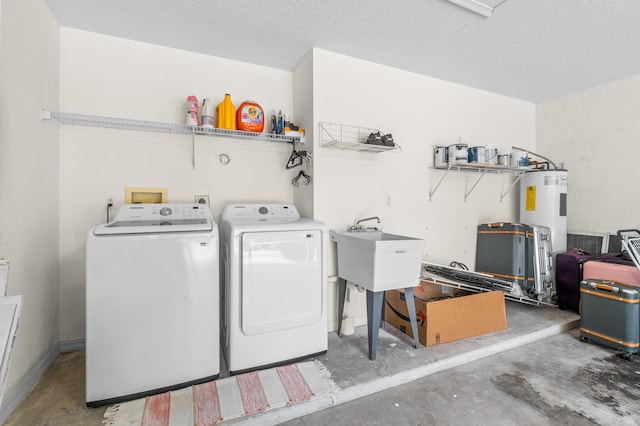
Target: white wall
pixel 421 112
pixel 107 76
pixel 303 101
pixel 596 134
pixel 29 60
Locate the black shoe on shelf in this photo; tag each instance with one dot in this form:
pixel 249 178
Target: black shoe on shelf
pixel 387 140
pixel 374 139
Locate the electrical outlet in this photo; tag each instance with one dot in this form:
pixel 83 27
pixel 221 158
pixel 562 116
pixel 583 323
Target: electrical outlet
pixel 387 200
pixel 202 199
pixel 109 200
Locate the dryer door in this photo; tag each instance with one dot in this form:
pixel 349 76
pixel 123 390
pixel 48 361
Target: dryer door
pixel 281 280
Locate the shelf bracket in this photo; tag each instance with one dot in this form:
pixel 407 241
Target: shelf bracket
pixel 432 192
pixel 466 195
pixel 193 150
pixel 516 180
pixel 483 171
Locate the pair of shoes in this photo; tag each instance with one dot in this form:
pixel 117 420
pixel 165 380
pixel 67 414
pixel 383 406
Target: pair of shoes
pixel 378 139
pixel 374 139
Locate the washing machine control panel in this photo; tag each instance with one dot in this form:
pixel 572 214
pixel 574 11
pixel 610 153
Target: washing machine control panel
pixel 157 211
pixel 146 218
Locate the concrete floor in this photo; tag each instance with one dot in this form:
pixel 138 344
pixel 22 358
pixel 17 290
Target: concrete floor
pixel 556 381
pixel 537 372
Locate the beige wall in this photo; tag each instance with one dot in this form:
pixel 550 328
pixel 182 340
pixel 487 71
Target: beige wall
pixel 421 112
pixel 303 102
pixel 596 134
pixel 29 80
pixel 113 77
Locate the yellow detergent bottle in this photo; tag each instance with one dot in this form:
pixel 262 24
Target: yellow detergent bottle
pixel 226 114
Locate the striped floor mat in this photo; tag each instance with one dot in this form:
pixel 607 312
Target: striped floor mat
pixel 228 398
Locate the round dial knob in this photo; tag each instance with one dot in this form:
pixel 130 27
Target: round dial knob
pixel 263 210
pixel 165 211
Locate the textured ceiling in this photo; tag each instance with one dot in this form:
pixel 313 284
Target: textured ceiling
pixel 534 50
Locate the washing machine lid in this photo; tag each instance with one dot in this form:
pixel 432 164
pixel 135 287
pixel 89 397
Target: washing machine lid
pixel 158 218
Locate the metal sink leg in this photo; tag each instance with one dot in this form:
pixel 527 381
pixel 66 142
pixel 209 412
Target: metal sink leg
pixel 342 290
pixel 375 315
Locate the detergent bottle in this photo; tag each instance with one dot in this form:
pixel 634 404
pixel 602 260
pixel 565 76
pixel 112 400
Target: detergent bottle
pixel 226 114
pixel 250 117
pixel 207 113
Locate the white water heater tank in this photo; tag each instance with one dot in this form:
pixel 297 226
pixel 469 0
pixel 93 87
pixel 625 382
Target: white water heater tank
pixel 543 202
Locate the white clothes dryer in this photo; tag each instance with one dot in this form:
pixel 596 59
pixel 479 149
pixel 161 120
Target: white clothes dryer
pixel 152 294
pixel 274 286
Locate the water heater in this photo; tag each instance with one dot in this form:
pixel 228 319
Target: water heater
pixel 543 202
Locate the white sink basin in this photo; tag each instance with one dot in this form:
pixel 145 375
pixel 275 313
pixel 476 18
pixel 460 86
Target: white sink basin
pixel 378 261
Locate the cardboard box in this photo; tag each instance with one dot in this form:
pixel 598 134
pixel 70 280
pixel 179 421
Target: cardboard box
pixel 443 318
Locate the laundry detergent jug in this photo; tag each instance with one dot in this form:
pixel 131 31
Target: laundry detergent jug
pixel 226 114
pixel 250 117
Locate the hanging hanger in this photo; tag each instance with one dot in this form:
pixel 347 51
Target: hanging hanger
pixel 295 159
pixel 301 177
pixel 306 157
pixel 298 158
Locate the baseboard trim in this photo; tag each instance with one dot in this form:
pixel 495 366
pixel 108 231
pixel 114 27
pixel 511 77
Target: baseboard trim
pixel 72 345
pixel 12 399
pixel 19 392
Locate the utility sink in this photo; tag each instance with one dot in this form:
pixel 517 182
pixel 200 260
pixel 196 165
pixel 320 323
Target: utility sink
pixel 378 261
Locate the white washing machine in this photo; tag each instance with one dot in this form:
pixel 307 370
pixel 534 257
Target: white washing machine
pixel 274 278
pixel 152 294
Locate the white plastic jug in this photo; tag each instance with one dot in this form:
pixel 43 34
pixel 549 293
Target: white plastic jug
pixel 206 113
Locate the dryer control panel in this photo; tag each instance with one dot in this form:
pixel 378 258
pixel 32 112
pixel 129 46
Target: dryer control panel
pixel 259 211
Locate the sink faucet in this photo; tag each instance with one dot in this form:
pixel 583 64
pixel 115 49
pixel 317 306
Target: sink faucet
pixel 358 227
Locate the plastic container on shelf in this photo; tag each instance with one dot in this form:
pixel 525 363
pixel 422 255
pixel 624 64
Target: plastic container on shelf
pixel 226 114
pixel 458 154
pixel 491 156
pixel 250 117
pixel 519 158
pixel 192 111
pixel 477 154
pixel 441 156
pixel 207 113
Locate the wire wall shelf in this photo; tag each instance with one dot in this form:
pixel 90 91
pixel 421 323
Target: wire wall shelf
pixel 341 136
pixel 159 127
pixel 471 167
